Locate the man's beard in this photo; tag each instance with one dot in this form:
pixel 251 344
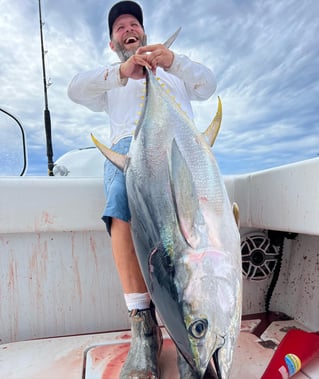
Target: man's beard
pixel 124 54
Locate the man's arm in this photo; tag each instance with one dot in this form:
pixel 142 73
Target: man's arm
pixel 89 88
pixel 198 79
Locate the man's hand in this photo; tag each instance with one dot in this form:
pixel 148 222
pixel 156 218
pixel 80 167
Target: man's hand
pixel 151 56
pixel 134 67
pixel 156 56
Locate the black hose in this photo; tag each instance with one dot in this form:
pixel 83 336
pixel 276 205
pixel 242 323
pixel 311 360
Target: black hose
pixel 277 239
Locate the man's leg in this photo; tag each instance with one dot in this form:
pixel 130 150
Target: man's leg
pixel 142 359
pixel 125 258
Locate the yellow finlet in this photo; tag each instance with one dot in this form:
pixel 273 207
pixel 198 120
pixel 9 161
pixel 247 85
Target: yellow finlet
pixel 236 214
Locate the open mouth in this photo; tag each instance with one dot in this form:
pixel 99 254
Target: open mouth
pixel 130 40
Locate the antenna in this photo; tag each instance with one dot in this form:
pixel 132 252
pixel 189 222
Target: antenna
pixel 47 117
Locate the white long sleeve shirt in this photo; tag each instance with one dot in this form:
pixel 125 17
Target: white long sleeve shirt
pixel 103 90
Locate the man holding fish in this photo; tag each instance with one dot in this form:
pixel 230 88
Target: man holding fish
pixel 119 90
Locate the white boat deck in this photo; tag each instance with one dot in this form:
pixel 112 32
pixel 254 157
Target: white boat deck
pixel 100 356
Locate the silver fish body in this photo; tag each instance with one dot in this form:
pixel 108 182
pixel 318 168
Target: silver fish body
pixel 185 234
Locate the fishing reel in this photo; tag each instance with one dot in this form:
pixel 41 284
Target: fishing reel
pixel 259 256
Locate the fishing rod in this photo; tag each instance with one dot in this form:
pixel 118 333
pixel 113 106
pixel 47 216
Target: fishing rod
pixel 47 117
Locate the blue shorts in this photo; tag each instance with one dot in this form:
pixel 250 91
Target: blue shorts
pixel 115 188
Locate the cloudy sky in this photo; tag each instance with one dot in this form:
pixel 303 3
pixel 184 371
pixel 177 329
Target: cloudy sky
pixel 265 55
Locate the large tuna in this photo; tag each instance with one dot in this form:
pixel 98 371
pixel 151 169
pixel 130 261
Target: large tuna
pixel 184 231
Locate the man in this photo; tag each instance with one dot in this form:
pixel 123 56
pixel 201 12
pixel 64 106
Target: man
pixel 118 89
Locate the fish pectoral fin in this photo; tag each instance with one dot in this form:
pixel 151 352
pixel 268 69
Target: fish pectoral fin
pixel 119 160
pixel 236 214
pixel 185 196
pixel 213 129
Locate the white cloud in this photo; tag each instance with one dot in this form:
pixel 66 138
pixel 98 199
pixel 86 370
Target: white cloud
pixel 265 56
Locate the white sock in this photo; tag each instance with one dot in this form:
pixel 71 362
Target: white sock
pixel 137 300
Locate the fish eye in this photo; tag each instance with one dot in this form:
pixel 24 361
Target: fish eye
pixel 198 328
